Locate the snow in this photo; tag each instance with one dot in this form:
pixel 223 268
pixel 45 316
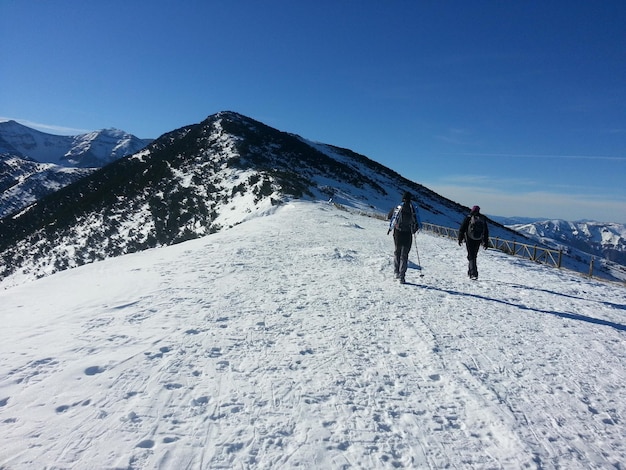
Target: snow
pixel 284 342
pixel 93 149
pixel 584 240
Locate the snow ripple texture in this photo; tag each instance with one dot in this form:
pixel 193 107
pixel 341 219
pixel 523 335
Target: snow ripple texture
pixel 285 342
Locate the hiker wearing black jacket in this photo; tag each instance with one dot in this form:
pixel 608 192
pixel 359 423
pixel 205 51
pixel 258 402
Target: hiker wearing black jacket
pixel 405 222
pixel 474 232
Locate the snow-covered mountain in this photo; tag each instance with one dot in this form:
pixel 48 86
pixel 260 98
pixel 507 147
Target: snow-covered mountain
pixel 285 343
pixel 34 164
pixel 604 240
pixel 91 150
pixel 185 184
pixel 25 181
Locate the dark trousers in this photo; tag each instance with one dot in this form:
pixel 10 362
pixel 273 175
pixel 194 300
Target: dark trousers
pixel 403 242
pixel 472 252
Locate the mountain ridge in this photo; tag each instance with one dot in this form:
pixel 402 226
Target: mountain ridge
pixel 187 183
pixel 184 185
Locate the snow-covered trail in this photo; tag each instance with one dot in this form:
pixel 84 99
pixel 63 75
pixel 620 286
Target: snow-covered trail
pixel 285 342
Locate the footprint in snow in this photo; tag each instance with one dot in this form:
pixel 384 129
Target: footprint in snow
pixel 173 386
pixel 93 370
pixel 200 401
pixel 62 409
pixel 163 350
pixel 215 352
pixel 147 444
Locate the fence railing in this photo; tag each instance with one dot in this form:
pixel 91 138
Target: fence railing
pixel 536 253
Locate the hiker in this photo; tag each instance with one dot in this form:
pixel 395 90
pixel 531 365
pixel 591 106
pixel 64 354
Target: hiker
pixel 474 231
pixel 405 222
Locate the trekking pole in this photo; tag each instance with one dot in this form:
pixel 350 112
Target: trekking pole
pixel 418 254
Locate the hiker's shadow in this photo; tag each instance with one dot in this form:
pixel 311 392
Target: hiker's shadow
pixel 407 283
pixel 571 316
pixel 412 265
pixel 570 296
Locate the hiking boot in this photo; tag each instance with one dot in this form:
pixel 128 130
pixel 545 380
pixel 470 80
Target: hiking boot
pixel 402 280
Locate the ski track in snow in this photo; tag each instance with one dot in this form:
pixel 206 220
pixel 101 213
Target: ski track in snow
pixel 285 343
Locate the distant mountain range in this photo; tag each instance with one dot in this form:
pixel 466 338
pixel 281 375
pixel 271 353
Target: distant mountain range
pixel 183 185
pixel 34 164
pixel 599 239
pixel 604 240
pixel 92 150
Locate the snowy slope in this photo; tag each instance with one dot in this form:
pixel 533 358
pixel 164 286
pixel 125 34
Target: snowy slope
pixel 91 150
pixel 284 343
pixel 23 181
pixel 19 140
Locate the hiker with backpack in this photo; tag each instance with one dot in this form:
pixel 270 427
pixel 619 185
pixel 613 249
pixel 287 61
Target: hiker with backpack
pixel 474 232
pixel 405 222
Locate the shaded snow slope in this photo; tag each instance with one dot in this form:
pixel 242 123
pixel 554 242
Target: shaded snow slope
pixel 284 342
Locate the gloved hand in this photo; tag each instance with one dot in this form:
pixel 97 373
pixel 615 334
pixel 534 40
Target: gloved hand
pixel 460 242
pixel 485 245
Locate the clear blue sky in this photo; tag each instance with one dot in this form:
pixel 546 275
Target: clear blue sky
pixel 518 106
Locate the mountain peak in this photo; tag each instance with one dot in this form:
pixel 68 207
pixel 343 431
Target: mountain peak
pixel 11 123
pixel 90 150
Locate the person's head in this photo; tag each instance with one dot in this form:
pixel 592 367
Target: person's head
pixel 475 210
pixel 406 196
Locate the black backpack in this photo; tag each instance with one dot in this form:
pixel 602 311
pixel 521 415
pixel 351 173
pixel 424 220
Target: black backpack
pixel 476 228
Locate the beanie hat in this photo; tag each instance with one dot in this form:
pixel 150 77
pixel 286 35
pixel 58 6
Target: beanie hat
pixel 406 196
pixel 475 209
